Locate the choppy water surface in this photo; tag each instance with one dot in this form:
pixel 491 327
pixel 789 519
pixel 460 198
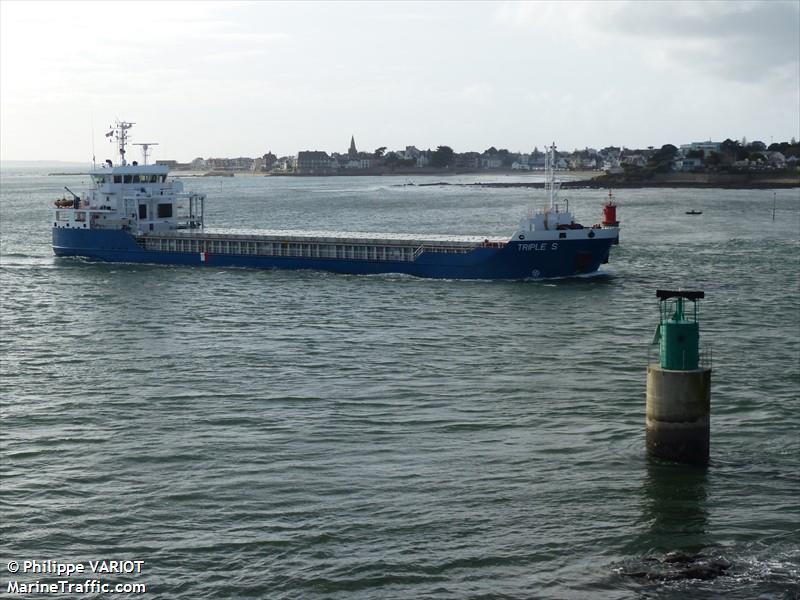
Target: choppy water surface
pixel 307 435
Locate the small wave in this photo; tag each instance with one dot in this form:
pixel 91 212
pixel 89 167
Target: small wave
pixel 389 276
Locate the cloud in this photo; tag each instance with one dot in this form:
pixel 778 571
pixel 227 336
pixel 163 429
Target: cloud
pixel 742 41
pixel 294 75
pixel 745 42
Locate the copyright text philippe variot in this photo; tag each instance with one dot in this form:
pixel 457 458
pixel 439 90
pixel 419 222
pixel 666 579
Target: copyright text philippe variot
pixel 90 577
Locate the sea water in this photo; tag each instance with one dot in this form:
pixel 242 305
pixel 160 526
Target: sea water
pixel 278 434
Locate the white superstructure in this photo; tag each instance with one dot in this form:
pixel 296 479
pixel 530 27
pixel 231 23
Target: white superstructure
pixel 130 197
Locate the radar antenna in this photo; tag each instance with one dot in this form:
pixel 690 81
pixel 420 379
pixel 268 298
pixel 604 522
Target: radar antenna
pixel 146 148
pixel 120 133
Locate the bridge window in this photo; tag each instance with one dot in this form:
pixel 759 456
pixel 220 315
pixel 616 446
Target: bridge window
pixel 117 178
pixel 164 211
pixel 142 209
pixel 127 178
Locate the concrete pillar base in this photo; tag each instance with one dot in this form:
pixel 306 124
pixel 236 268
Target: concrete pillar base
pixel 678 414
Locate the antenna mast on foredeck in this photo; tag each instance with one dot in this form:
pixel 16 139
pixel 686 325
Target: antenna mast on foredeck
pixel 551 186
pixel 146 148
pixel 120 133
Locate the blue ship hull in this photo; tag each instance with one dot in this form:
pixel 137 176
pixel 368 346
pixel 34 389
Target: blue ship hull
pixel 515 260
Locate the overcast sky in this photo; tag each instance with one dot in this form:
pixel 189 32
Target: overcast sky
pixel 239 79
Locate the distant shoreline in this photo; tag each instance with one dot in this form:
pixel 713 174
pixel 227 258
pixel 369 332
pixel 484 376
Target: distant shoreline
pixel 731 181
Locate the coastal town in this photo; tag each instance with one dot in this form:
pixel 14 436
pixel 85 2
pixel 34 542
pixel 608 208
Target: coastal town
pixel 728 156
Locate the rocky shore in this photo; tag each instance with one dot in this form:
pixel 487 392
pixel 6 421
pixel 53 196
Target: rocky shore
pixel 735 181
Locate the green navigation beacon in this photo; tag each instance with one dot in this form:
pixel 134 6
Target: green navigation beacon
pixel 678 406
pixel 678 332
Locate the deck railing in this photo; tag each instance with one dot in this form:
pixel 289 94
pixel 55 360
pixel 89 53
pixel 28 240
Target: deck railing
pixel 329 248
pixel 244 247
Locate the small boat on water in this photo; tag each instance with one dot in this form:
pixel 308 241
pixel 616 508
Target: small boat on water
pixel 134 213
pixel 694 212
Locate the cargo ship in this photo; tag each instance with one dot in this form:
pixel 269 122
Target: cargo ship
pixel 136 214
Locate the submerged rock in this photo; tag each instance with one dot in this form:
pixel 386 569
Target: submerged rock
pixel 674 566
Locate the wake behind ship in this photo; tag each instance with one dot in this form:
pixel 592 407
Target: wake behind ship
pixel 134 213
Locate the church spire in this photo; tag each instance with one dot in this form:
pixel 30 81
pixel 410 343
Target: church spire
pixel 352 151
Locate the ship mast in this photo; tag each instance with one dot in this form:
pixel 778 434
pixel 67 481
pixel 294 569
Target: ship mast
pixel 120 133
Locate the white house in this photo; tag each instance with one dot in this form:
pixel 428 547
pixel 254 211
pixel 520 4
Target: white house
pixel 706 147
pixel 776 159
pixel 634 160
pixel 687 164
